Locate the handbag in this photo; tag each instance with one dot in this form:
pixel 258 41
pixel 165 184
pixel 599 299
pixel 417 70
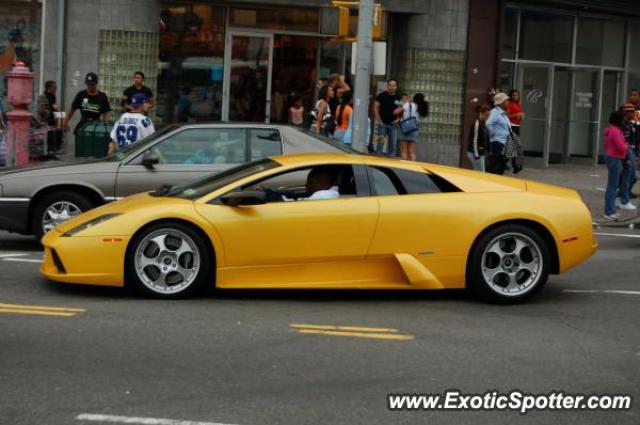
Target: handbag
pixel 409 125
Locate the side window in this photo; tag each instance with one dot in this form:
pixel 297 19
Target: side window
pixel 382 182
pixel 415 182
pixel 302 183
pixel 264 142
pixel 396 181
pixel 204 146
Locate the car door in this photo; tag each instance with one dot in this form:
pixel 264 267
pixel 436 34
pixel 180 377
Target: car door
pixel 297 232
pixel 185 155
pixel 424 216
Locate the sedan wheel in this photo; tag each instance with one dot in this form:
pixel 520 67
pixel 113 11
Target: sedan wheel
pixel 168 261
pixel 58 213
pixel 509 264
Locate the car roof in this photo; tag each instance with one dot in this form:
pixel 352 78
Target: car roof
pixel 317 158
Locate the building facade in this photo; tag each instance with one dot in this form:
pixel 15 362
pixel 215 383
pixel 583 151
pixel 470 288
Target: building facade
pixel 573 60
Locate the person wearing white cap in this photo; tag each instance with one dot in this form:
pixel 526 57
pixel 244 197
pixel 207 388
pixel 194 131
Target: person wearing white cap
pixel 499 127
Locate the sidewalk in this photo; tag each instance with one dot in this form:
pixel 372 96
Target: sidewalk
pixel 588 181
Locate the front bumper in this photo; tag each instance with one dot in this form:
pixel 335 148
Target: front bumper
pixel 89 260
pixel 575 250
pixel 14 213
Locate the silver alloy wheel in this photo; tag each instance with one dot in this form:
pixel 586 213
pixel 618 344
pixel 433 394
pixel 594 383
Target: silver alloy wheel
pixel 167 261
pixel 512 264
pixel 57 213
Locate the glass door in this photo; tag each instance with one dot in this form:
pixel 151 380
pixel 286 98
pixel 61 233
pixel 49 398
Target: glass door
pixel 611 99
pixel 247 77
pixel 583 124
pixel 536 82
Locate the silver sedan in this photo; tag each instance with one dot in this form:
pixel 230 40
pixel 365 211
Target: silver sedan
pixel 35 200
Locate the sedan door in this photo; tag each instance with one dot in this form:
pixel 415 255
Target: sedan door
pixel 188 154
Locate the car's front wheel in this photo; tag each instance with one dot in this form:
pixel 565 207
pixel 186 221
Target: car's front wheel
pixel 168 260
pixel 509 264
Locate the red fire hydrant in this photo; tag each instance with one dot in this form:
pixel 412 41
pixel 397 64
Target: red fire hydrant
pixel 19 95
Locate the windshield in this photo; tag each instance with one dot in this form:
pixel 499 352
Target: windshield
pixel 125 152
pixel 197 188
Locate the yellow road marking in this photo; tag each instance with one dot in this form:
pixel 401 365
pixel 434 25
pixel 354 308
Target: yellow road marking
pixel 358 334
pixel 42 308
pixel 40 312
pixel 342 328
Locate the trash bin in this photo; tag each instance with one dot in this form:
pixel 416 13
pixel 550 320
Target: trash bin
pixel 92 139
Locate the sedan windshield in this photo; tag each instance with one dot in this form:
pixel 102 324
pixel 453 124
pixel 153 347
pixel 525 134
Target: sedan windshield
pixel 125 152
pixel 200 187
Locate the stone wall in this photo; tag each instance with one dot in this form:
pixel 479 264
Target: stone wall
pixel 433 63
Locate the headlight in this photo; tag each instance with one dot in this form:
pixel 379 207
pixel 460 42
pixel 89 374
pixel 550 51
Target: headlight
pixel 90 223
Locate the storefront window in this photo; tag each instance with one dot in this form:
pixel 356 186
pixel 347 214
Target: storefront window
pixel 289 19
pixel 600 42
pixel 191 61
pixel 545 36
pixel 19 37
pixel 509 34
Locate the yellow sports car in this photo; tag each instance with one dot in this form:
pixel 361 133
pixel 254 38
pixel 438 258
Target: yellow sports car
pixel 329 221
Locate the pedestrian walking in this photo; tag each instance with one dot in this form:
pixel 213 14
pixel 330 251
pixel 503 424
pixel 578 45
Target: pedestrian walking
pixel 634 99
pixel 516 115
pixel 91 102
pixel 630 135
pixel 408 127
pixel 479 138
pixel 323 121
pixel 616 153
pixel 131 126
pixel 343 116
pixel 500 131
pixel 137 87
pixel 384 111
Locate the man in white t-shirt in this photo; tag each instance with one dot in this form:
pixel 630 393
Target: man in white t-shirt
pixel 131 126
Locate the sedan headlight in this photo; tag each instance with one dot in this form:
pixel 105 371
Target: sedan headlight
pixel 90 223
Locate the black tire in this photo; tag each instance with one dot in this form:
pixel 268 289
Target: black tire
pixel 80 201
pixel 478 284
pixel 202 276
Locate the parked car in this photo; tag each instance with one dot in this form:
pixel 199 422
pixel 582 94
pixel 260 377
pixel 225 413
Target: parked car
pixel 330 221
pixel 35 200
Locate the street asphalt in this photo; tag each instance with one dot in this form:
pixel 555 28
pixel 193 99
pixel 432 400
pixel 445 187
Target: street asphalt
pixel 234 357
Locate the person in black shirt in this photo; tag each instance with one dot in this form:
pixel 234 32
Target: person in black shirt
pixel 47 107
pixel 385 108
pixel 92 103
pixel 137 87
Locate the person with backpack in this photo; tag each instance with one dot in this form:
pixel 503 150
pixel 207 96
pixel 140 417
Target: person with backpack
pixel 323 121
pixel 409 126
pixel 343 116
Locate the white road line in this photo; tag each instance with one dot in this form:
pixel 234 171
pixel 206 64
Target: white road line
pixel 619 235
pixel 94 417
pixel 606 291
pixel 12 255
pixel 602 189
pixel 23 260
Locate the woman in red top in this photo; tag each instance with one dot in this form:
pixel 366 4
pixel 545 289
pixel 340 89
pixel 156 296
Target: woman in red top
pixel 515 111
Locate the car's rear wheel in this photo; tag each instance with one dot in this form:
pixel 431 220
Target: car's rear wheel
pixel 509 264
pixel 168 260
pixel 56 208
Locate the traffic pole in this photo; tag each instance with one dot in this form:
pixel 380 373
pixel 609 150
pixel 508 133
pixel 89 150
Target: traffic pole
pixel 363 76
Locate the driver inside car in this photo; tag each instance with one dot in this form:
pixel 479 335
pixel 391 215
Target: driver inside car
pixel 320 185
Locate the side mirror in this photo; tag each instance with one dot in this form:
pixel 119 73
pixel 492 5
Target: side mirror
pixel 149 159
pixel 245 197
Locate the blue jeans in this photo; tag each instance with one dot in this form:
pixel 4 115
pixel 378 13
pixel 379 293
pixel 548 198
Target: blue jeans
pixel 628 176
pixel 478 164
pixel 391 131
pixel 614 165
